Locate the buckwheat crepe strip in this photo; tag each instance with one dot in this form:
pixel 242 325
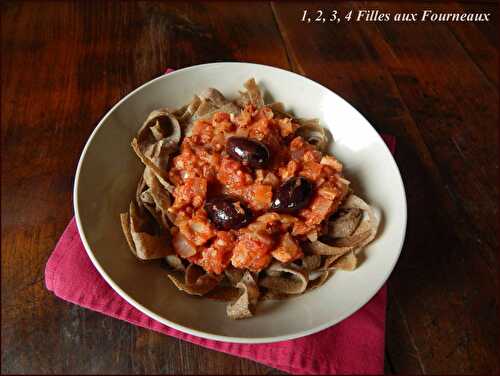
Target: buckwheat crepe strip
pixel 312 132
pixel 157 139
pixel 160 196
pixel 229 107
pixel 125 222
pixel 149 177
pixel 341 251
pixel 311 262
pixel 320 280
pixel 279 110
pixel 144 237
pixel 204 107
pixel 223 293
pixel 233 274
pixel 185 113
pixel 215 101
pixel 309 129
pixel 193 281
pixel 147 202
pixel 279 294
pixel 348 261
pixel 346 222
pixel 324 249
pixel 369 222
pixel 141 187
pixel 252 95
pixel 275 295
pixel 244 306
pixel 215 97
pixel 296 283
pixel 355 240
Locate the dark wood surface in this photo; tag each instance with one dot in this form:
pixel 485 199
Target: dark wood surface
pixel 432 85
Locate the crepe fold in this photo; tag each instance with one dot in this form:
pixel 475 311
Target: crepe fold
pixel 203 107
pixel 251 96
pixel 311 131
pixel 352 228
pixel 194 281
pixel 244 305
pixel 144 236
pixel 157 140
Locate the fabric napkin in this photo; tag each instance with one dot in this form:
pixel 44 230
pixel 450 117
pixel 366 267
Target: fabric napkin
pixel 353 346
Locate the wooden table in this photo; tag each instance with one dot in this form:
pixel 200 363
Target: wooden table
pixel 431 84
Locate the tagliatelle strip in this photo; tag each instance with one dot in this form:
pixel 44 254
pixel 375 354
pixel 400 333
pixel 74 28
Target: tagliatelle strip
pixel 319 280
pixel 156 140
pixel 358 231
pixel 281 218
pixel 312 132
pixel 311 262
pixel 193 281
pixel 369 223
pixel 291 279
pixel 207 104
pixel 244 306
pixel 252 95
pixel 346 223
pixel 144 237
pixel 185 113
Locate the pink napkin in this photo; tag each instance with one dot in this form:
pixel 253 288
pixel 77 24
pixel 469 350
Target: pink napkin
pixel 353 346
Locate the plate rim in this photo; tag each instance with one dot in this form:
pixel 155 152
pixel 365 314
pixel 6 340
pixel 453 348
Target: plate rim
pixel 199 333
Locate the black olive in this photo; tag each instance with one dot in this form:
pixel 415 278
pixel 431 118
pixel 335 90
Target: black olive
pixel 227 213
pixel 292 195
pixel 251 152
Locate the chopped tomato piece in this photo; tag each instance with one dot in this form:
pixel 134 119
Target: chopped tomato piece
pixel 216 258
pixel 259 129
pixel 192 192
pixel 233 175
pixel 252 251
pixel 319 209
pixel 287 127
pixel 203 130
pixel 259 196
pixel 311 170
pixel 198 230
pixel 303 150
pixel 290 170
pixel 287 250
pixel 330 160
pixel 245 117
pixel 219 117
pixel 264 113
pixel 312 155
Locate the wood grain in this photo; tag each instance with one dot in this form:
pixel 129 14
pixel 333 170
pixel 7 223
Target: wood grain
pixel 421 83
pixel 434 86
pixel 63 66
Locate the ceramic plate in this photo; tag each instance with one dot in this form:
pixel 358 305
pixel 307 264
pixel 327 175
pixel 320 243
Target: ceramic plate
pixel 108 172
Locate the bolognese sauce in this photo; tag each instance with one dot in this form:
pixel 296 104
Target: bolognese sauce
pixel 248 191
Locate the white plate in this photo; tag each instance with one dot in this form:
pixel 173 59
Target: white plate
pixel 107 176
